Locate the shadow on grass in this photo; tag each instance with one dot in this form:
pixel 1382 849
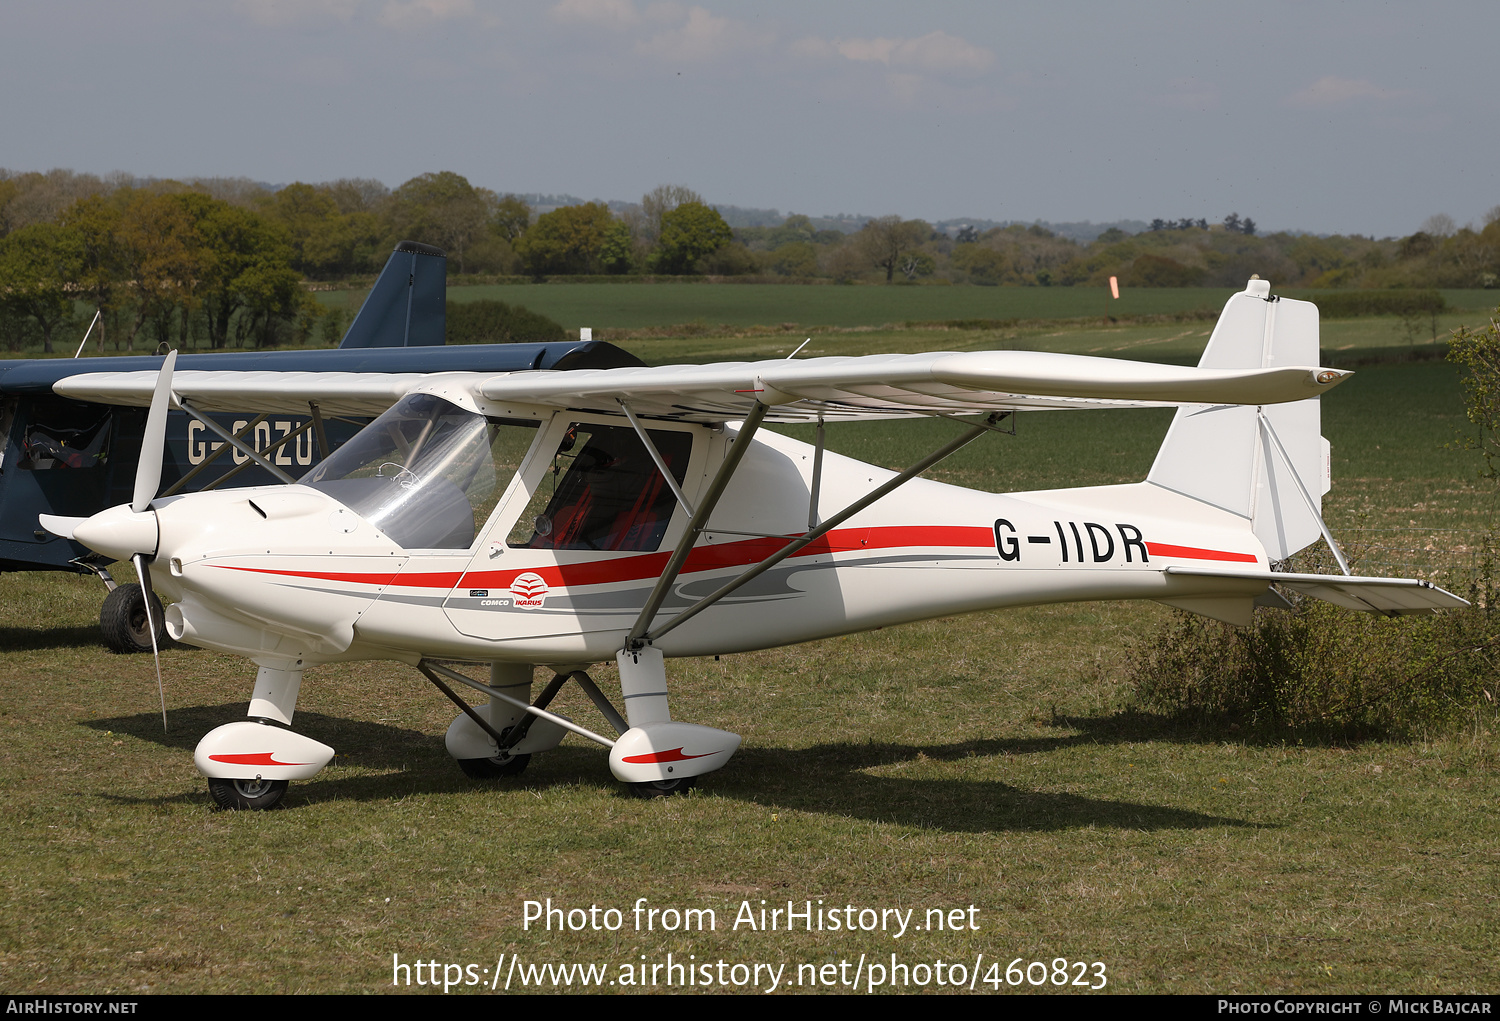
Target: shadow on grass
pixel 827 779
pixel 32 639
pixel 833 779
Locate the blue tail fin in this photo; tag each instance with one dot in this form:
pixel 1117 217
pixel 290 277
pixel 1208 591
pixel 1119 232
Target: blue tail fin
pixel 408 306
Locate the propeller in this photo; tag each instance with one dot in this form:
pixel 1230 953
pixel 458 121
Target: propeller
pixel 130 531
pixel 147 481
pixel 154 442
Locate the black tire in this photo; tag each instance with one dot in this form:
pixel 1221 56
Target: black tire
pixel 662 788
pixel 122 618
pixel 494 769
pixel 247 795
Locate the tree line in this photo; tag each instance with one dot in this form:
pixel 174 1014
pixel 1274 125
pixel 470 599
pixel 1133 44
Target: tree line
pixel 227 262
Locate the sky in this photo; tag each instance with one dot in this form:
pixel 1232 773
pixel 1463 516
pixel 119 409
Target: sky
pixel 1358 117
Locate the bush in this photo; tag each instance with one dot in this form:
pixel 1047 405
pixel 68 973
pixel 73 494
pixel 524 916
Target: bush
pixel 1352 304
pixel 495 322
pixel 1323 670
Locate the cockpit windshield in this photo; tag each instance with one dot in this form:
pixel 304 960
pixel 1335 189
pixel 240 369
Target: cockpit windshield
pixel 427 472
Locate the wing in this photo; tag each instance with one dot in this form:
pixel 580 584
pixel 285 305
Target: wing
pixel 888 386
pixel 362 394
pixel 869 386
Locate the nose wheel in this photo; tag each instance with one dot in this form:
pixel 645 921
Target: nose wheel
pixel 250 795
pixel 662 788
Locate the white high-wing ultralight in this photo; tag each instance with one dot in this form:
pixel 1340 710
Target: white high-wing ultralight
pixel 564 518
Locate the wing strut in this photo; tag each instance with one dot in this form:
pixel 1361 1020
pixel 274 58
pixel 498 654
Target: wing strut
pixel 214 455
pixel 661 465
pixel 696 524
pixel 816 533
pixel 240 445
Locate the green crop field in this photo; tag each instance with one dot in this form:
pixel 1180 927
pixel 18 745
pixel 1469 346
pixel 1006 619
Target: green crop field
pixel 990 767
pixel 637 305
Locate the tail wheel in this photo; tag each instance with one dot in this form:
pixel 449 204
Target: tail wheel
pixel 662 788
pixel 494 769
pixel 248 795
pixel 122 618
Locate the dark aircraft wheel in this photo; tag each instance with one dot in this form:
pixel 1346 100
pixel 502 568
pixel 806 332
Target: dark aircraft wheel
pixel 251 795
pixel 493 769
pixel 122 618
pixel 662 788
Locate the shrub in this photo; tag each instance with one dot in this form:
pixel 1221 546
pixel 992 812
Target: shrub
pixel 1323 670
pixel 495 322
pixel 1352 304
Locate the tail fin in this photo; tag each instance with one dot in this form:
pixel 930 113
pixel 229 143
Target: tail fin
pixel 408 306
pixel 1228 455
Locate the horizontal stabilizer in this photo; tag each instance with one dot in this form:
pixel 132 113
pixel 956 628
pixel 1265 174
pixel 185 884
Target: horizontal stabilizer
pixel 1389 596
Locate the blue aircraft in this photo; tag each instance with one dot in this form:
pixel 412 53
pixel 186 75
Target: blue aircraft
pixel 73 458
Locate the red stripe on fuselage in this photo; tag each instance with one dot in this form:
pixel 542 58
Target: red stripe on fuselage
pixel 1161 549
pixel 650 565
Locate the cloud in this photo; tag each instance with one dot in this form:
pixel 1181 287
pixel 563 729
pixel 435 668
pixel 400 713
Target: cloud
pixel 404 13
pixel 1330 91
pixel 286 12
pixel 702 36
pixel 604 13
pixel 935 51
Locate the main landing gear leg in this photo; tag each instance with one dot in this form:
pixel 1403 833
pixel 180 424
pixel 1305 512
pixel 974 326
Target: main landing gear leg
pixel 249 763
pixel 499 737
pixel 657 757
pixel 478 754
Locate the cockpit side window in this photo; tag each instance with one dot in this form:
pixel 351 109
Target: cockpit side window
pixel 602 491
pixel 427 473
pixel 65 436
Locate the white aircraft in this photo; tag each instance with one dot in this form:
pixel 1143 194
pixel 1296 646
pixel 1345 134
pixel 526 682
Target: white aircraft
pixel 568 517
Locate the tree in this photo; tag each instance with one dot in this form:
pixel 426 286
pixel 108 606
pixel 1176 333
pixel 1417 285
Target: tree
pixel 159 254
pixel 97 221
pixel 38 264
pixel 567 240
pixel 618 250
pixel 443 209
pixel 660 201
pixel 512 218
pixel 886 240
pixel 245 266
pixel 918 264
pixel 1478 351
pixel 688 233
pixel 320 241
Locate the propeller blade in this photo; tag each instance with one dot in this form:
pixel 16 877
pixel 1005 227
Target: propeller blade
pixel 59 525
pixel 153 443
pixel 140 572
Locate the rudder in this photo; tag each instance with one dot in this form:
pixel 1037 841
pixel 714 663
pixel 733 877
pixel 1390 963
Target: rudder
pixel 1228 456
pixel 408 306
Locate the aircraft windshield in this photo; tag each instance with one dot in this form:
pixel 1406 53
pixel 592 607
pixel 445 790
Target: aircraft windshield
pixel 427 473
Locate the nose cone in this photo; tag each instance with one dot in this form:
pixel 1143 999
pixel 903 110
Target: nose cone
pixel 119 532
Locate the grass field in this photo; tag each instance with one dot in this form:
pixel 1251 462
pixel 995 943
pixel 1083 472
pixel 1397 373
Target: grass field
pixel 635 305
pixel 992 761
